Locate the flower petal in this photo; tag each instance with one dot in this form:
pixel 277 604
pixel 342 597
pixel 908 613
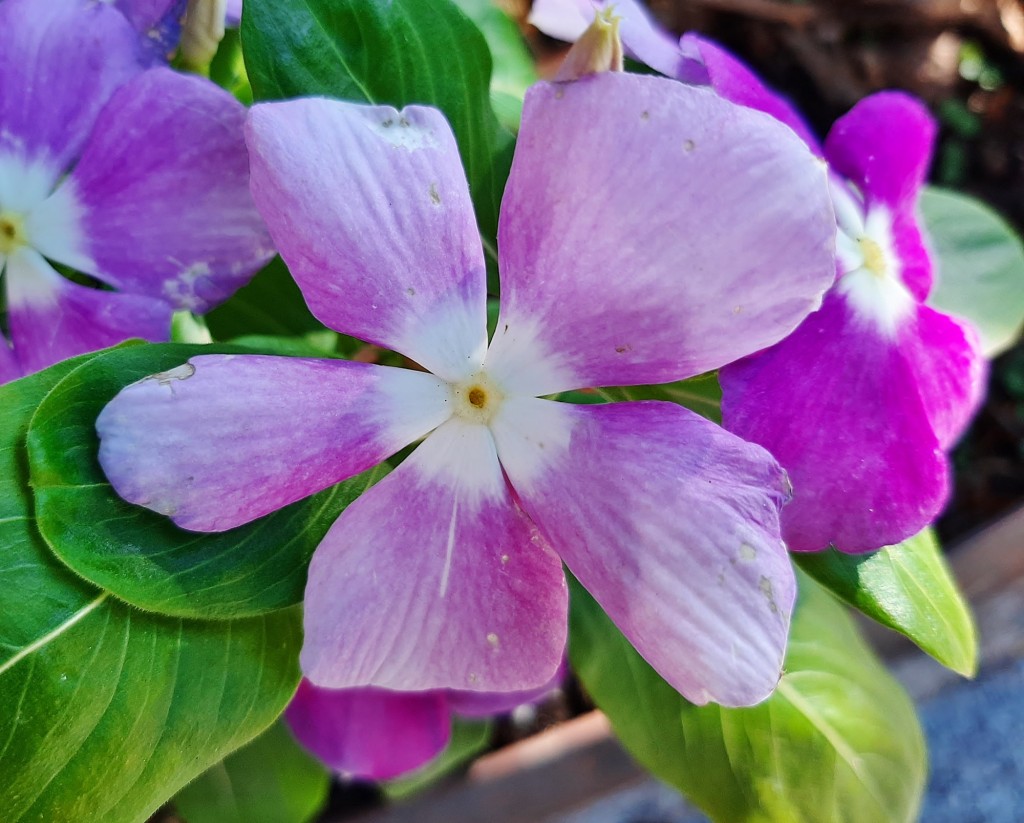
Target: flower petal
pixel 369 733
pixel 370 209
pixel 162 191
pixel 841 405
pixel 60 61
pixel 651 231
pixel 488 704
pixel 225 439
pixel 734 80
pixel 884 145
pixel 435 579
pixel 52 319
pixel 159 23
pixel 9 368
pixel 672 524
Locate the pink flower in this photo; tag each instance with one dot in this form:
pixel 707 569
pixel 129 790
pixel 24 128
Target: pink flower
pixel 649 232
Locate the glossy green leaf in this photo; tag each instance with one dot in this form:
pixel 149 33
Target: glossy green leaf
pixel 394 52
pixel 270 303
pixel 980 266
pixel 270 780
pixel 141 556
pixel 514 69
pixel 469 738
pixel 837 741
pixel 106 711
pixel 700 394
pixel 909 588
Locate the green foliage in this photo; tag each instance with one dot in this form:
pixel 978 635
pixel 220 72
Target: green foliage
pixel 837 741
pixel 394 52
pixel 700 394
pixel 980 271
pixel 106 711
pixel 469 738
pixel 909 588
pixel 141 556
pixel 271 303
pixel 271 780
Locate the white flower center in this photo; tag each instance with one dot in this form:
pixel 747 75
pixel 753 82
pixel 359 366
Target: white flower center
pixel 477 399
pixel 871 277
pixel 12 232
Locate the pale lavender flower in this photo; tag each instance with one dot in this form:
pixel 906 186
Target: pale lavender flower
pixel 136 177
pixel 649 232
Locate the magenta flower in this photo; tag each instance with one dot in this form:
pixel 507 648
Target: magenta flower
pixel 863 401
pixel 137 178
pixel 649 232
pixel 378 734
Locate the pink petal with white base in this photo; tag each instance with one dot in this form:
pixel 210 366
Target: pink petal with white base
pixel 435 579
pixel 370 209
pixel 370 733
pixel 842 406
pixel 60 61
pixel 162 194
pixel 672 524
pixel 225 439
pixel 651 231
pixel 52 319
pixel 884 146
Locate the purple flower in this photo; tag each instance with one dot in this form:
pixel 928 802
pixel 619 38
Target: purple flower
pixel 862 402
pixel 378 734
pixel 136 178
pixel 649 232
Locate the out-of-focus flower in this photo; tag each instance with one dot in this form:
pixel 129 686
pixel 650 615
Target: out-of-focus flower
pixel 378 734
pixel 137 178
pixel 649 232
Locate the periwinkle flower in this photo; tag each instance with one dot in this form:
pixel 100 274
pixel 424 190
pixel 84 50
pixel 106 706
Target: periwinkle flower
pixel 649 232
pixel 379 735
pixel 135 177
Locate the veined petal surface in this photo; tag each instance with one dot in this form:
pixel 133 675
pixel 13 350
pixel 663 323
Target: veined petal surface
pixel 159 23
pixel 224 439
pixel 884 146
pixel 162 191
pixel 652 231
pixel 435 579
pixel 672 524
pixel 370 209
pixel 845 410
pixel 488 704
pixel 9 368
pixel 60 61
pixel 52 319
pixel 370 733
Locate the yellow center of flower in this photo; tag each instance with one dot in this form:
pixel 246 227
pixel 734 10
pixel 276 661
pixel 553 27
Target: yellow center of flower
pixel 874 257
pixel 477 399
pixel 12 232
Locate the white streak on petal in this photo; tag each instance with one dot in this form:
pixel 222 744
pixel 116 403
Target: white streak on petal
pixel 460 455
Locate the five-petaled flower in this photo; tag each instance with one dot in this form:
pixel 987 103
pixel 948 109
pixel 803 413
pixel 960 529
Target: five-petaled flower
pixel 649 232
pixel 137 178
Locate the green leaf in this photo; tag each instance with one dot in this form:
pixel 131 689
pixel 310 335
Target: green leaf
pixel 107 711
pixel 980 271
pixel 700 394
pixel 514 69
pixel 270 303
pixel 469 738
pixel 271 780
pixel 838 740
pixel 909 588
pixel 392 52
pixel 141 556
